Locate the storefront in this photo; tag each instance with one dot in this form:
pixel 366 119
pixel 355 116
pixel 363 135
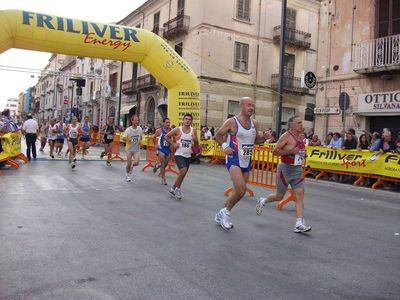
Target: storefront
pixel 379 110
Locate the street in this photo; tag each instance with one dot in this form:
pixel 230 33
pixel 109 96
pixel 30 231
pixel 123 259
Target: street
pixel 88 234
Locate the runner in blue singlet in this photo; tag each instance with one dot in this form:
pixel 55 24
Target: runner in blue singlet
pixel 163 149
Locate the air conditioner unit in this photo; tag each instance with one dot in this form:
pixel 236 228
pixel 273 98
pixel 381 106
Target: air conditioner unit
pixel 93 96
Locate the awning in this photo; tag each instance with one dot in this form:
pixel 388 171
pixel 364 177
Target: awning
pixel 126 107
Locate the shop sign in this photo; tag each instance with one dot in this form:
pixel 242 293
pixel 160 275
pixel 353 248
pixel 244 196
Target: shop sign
pixel 386 102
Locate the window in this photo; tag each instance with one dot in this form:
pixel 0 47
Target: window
pixel 233 108
pixel 289 62
pixel 243 10
pixel 291 18
pixel 309 112
pixel 179 48
pixel 241 57
pixel 387 17
pixel 138 25
pixel 181 8
pixel 156 22
pixel 287 112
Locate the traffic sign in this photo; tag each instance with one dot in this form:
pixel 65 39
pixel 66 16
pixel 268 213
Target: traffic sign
pixel 327 110
pixel 344 101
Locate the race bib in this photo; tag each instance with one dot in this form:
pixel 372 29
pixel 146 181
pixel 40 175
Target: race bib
pixel 134 139
pixel 186 143
pixel 73 134
pixel 110 136
pixel 247 150
pixel 299 158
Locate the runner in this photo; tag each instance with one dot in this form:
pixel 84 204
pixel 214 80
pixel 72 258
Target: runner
pixel 109 129
pixel 133 137
pixel 60 137
pixel 163 149
pixel 85 131
pixel 72 137
pixel 242 132
pixel 184 137
pixel 290 171
pixel 43 136
pixel 52 136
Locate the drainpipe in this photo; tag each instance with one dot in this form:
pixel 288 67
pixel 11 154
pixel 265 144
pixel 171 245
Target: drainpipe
pixel 258 52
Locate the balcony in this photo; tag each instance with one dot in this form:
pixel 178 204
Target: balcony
pixel 176 27
pixel 128 87
pixel 378 55
pixel 293 37
pixel 291 84
pixel 157 30
pixel 146 82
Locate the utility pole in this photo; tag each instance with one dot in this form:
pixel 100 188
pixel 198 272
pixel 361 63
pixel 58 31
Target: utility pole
pixel 120 93
pixel 281 67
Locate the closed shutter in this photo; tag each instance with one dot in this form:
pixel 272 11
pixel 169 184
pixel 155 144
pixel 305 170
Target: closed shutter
pixel 236 64
pixel 243 10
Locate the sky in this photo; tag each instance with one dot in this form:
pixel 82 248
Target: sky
pixel 13 83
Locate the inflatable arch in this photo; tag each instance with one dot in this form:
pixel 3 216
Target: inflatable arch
pixel 41 32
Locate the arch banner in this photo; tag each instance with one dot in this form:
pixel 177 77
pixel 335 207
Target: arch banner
pixel 42 32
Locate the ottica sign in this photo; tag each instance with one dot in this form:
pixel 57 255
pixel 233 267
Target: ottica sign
pixel 41 32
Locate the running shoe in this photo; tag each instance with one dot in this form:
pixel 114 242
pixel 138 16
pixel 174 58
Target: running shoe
pixel 127 178
pixel 74 160
pixel 178 194
pixel 156 167
pixel 260 205
pixel 172 191
pixel 52 156
pixel 108 163
pixel 222 218
pixel 73 165
pixel 102 155
pixel 302 227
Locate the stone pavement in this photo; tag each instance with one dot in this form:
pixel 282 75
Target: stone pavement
pixel 87 234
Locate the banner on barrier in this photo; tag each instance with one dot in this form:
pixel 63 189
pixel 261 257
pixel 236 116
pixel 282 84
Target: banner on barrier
pixel 11 143
pixel 366 162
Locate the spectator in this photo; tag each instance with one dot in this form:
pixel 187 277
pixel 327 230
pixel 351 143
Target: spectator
pixel 328 139
pixel 207 135
pixel 283 131
pixel 30 129
pixel 350 142
pixel 2 130
pixel 315 141
pixel 336 141
pixel 273 137
pixel 363 143
pixel 310 134
pixel 397 143
pixel 8 124
pixel 375 141
pixel 387 144
pixel 304 139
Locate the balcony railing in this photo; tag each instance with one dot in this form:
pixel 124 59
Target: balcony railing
pixel 157 30
pixel 128 87
pixel 146 82
pixel 378 55
pixel 291 84
pixel 97 95
pixel 294 37
pixel 176 27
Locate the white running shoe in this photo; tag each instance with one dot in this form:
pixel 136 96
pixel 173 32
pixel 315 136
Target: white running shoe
pixel 108 163
pixel 73 165
pixel 172 192
pixel 178 194
pixel 127 178
pixel 260 205
pixel 301 227
pixel 222 218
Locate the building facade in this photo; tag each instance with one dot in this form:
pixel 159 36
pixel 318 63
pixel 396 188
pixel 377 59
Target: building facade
pixel 359 54
pixel 233 47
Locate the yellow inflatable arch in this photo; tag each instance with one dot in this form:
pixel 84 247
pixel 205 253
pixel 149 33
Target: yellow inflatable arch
pixel 41 32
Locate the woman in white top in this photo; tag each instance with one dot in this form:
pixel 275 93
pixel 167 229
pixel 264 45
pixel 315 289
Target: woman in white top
pixel 184 138
pixel 52 136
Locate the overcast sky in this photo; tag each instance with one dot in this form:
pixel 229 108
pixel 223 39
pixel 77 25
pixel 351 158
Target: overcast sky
pixel 13 83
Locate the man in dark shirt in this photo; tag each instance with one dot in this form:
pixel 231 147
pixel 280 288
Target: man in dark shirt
pixel 350 142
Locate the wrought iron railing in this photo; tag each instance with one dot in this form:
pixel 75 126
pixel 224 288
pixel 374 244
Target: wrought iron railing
pixel 377 55
pixel 291 84
pixel 293 37
pixel 128 87
pixel 145 81
pixel 176 26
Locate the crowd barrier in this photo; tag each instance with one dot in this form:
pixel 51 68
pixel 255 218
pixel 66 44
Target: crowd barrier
pixel 11 143
pixel 152 157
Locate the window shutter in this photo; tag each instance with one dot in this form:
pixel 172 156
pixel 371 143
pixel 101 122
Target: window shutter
pixel 239 9
pixel 237 57
pixel 246 13
pixel 396 17
pixel 383 18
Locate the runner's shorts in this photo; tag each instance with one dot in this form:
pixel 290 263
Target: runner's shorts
pixel 182 162
pixel 289 175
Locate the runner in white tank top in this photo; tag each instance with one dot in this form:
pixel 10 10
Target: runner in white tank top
pixel 242 134
pixel 72 137
pixel 184 137
pixel 52 135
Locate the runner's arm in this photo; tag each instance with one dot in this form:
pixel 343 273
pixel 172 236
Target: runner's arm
pixel 168 137
pixel 280 145
pixel 227 127
pixel 260 137
pixel 195 138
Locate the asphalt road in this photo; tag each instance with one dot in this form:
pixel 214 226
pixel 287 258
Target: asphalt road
pixel 88 234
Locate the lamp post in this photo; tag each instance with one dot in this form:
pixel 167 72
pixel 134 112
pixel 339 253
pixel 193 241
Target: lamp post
pixel 120 94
